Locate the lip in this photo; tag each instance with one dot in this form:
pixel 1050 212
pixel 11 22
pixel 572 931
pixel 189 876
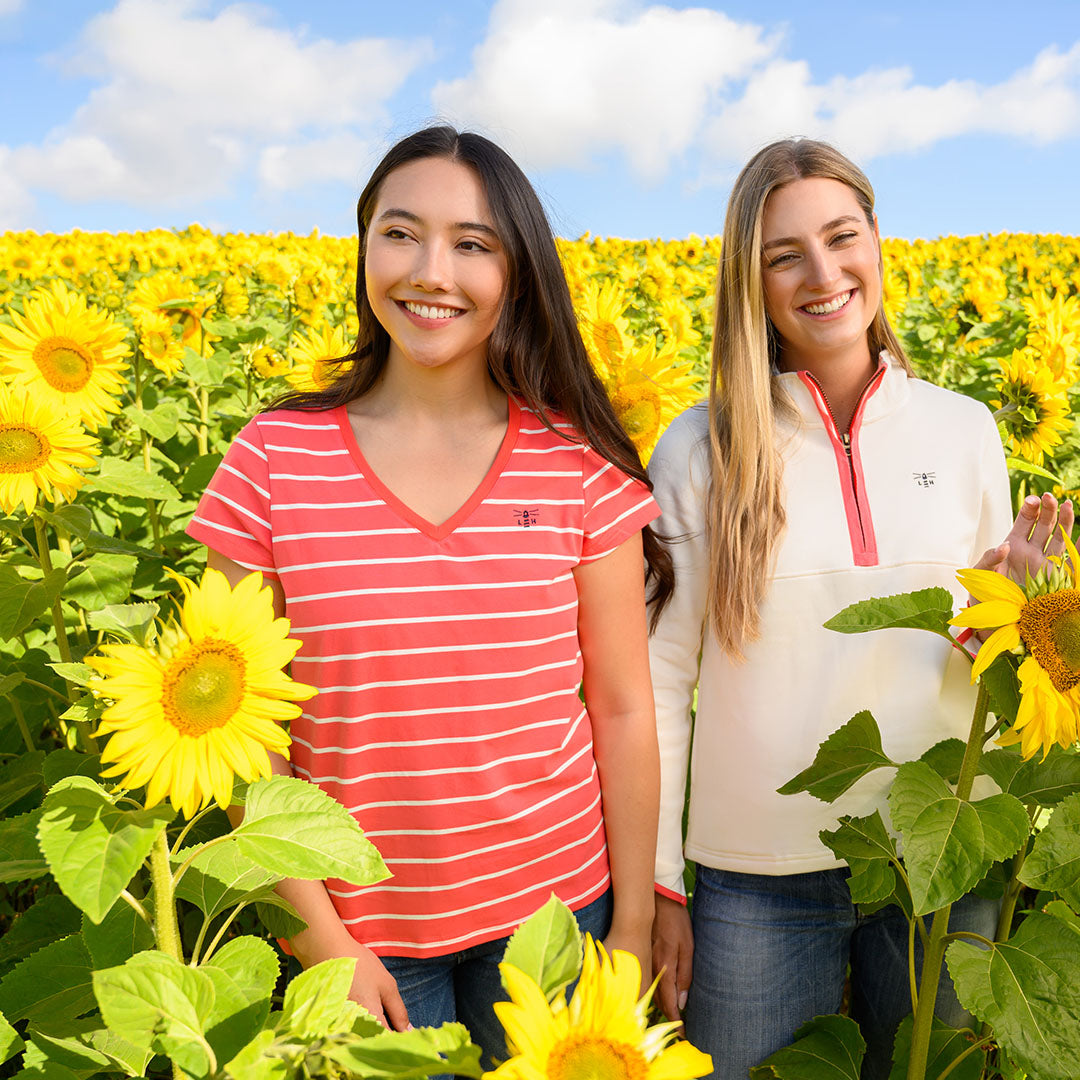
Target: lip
pixel 825 316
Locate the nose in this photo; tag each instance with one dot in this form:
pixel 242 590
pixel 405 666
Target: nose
pixel 822 269
pixel 431 271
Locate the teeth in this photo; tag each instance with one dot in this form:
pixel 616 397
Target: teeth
pixel 426 312
pixel 831 306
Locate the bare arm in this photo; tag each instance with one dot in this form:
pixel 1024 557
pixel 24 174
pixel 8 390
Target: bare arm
pixel 618 694
pixel 326 935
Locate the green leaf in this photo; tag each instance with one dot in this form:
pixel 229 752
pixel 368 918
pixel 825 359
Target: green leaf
pixel 870 851
pixel 872 882
pixel 198 473
pixel 258 1061
pixel 945 758
pixel 949 844
pixel 76 520
pixel 118 937
pixel 47 1050
pixel 860 838
pixel 547 947
pixel 156 1002
pixel 317 1000
pixel 20 856
pixel 220 877
pixel 79 674
pixel 1045 782
pixel 20 777
pixel 279 917
pixel 1054 860
pixel 206 372
pixel 244 972
pixel 106 579
pixel 845 757
pixel 925 609
pixel 410 1055
pixel 94 848
pixel 114 545
pixel 10 1042
pixel 8 683
pixel 1017 464
pixel 946 1045
pixel 21 602
pixel 51 918
pixel 296 830
pixel 52 983
pixel 1028 990
pixel 133 622
pixel 160 423
pixel 1001 683
pixel 121 476
pixel 825 1048
pixel 62 763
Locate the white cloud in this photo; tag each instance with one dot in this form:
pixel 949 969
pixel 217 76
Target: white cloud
pixel 10 7
pixel 338 157
pixel 186 101
pixel 885 111
pixel 560 81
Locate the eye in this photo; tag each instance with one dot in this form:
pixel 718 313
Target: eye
pixel 396 233
pixel 845 237
pixel 783 259
pixel 472 245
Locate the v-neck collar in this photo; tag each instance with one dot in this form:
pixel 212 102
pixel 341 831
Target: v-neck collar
pixel 435 532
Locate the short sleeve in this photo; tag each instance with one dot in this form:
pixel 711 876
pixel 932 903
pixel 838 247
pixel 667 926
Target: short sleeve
pixel 233 516
pixel 616 506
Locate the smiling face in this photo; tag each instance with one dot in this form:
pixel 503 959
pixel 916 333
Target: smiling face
pixel 435 270
pixel 821 274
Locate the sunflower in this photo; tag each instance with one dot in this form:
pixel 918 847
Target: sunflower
pixel 207 702
pixel 1044 621
pixel 159 344
pixel 603 324
pixel 1033 409
pixel 67 353
pixel 40 450
pixel 601 1035
pixel 310 354
pixel 648 389
pixel 168 293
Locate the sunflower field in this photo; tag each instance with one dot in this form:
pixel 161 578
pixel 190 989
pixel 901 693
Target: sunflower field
pixel 135 929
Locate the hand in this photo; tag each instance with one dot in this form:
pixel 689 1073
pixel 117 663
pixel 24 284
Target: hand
pixel 1036 533
pixel 373 986
pixel 636 943
pixel 673 954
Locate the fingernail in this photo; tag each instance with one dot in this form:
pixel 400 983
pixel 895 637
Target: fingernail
pixel 682 1000
pixel 1032 500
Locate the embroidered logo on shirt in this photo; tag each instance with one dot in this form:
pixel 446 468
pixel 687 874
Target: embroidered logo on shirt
pixel 924 479
pixel 526 518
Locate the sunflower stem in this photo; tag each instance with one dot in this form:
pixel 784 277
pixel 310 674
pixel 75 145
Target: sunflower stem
pixel 20 719
pixel 934 951
pixel 166 930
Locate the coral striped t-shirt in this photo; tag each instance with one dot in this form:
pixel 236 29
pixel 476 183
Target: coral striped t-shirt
pixel 448 719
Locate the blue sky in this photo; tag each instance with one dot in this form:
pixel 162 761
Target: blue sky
pixel 631 117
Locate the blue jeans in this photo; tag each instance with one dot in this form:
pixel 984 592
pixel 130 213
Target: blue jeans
pixel 465 985
pixel 771 952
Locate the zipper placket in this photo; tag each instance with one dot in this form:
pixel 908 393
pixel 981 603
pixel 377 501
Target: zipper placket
pixel 860 520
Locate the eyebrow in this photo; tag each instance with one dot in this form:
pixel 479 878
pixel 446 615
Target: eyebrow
pixel 460 226
pixel 782 240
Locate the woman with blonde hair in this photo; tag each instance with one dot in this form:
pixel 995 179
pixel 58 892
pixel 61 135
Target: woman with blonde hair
pixel 820 473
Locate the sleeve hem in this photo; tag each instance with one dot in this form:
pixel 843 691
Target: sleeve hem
pixel 671 894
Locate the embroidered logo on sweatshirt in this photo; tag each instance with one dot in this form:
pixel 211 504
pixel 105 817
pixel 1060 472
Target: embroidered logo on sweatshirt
pixel 924 479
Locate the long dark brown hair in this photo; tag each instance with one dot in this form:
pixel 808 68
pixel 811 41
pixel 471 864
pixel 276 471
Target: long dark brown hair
pixel 535 351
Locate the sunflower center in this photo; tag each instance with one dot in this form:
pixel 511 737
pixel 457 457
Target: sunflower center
pixel 64 363
pixel 638 407
pixel 22 449
pixel 592 1057
pixel 1050 628
pixel 204 686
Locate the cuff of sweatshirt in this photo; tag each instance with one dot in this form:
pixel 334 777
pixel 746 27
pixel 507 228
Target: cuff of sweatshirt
pixel 671 894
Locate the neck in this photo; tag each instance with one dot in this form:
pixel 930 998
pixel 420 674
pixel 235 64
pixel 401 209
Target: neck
pixel 842 382
pixel 452 392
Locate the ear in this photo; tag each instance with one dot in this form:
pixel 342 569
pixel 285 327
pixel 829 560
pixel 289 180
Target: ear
pixel 877 231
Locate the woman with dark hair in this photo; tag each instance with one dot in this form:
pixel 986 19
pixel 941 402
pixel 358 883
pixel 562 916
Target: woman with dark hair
pixel 819 474
pixel 454 528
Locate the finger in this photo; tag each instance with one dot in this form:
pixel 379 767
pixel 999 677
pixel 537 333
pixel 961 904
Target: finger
pixel 684 978
pixel 992 558
pixel 1026 519
pixel 396 1013
pixel 667 994
pixel 1045 522
pixel 1063 528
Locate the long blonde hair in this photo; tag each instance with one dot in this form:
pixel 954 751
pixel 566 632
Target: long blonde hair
pixel 745 516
